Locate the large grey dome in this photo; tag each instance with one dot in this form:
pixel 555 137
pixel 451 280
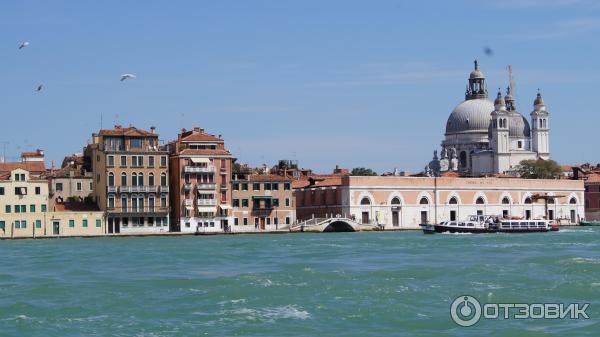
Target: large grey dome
pixel 470 116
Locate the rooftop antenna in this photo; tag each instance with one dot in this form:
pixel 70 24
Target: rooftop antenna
pixel 101 121
pixel 511 82
pixel 4 143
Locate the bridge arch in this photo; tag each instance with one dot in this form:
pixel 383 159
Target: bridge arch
pixel 339 226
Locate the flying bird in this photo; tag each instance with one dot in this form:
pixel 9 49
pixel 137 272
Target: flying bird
pixel 488 51
pixel 23 45
pixel 126 77
pixel 39 88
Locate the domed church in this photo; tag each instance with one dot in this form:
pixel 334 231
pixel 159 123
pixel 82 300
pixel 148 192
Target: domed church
pixel 485 137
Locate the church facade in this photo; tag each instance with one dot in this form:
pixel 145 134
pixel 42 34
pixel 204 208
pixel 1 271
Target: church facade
pixel 484 137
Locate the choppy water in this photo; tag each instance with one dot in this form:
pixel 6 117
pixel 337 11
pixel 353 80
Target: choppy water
pixel 337 284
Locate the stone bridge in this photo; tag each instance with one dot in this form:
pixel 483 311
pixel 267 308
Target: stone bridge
pixel 331 225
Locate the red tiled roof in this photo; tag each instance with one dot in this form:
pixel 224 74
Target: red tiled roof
pixel 201 137
pixel 129 131
pixel 204 152
pixel 76 207
pixel 593 178
pixel 31 166
pixel 32 154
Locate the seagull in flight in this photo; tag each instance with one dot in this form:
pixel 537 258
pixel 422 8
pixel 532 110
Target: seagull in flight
pixel 23 45
pixel 39 88
pixel 127 76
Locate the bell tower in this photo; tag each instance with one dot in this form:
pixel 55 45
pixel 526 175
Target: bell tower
pixel 500 142
pixel 540 132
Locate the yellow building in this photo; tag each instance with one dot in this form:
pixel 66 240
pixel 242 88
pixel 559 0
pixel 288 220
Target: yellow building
pixel 23 199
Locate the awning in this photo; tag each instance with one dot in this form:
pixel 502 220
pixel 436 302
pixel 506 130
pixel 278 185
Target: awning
pixel 206 209
pixel 262 197
pixel 200 160
pixel 225 206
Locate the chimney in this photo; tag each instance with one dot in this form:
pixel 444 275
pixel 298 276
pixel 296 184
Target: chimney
pixel 220 136
pixel 152 129
pixel 197 129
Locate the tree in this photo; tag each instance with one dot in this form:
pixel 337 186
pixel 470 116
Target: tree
pixel 539 169
pixel 361 171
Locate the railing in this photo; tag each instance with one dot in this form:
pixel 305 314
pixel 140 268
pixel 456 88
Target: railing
pixel 144 209
pixel 223 186
pixel 207 202
pixel 187 186
pixel 111 189
pixel 137 189
pixel 164 188
pixel 197 169
pixel 188 202
pixel 206 186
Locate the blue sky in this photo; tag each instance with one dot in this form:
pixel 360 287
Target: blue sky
pixel 354 83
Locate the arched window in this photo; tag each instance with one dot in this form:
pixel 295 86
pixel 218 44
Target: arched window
pixel 123 179
pixel 573 201
pixel 163 179
pixel 541 125
pixel 134 179
pixel 480 201
pixel 140 179
pixel 365 201
pixel 453 201
pixel 423 201
pixel 505 201
pixel 111 179
pixel 396 201
pixel 528 200
pixel 150 179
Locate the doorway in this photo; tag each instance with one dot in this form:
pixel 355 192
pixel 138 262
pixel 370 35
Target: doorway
pixel 110 225
pixel 528 214
pixel 262 223
pixel 573 216
pixel 424 218
pixel 550 214
pixel 117 226
pixel 365 217
pixel 56 227
pixel 395 218
pixel 452 215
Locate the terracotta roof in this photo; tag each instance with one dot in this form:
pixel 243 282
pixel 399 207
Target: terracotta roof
pixel 65 172
pixel 204 152
pixel 268 177
pixel 450 174
pixel 593 178
pixel 129 131
pixel 76 207
pixel 32 154
pixel 201 137
pixel 566 167
pixel 31 166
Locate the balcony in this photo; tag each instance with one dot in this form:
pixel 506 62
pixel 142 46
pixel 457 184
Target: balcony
pixel 206 186
pixel 111 189
pixel 223 186
pixel 164 189
pixel 188 202
pixel 198 169
pixel 152 189
pixel 187 186
pixel 124 189
pixel 207 202
pixel 139 210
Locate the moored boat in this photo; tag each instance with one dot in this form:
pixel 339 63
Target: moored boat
pixel 589 223
pixel 478 224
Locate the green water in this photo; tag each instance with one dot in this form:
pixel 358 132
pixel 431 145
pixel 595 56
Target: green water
pixel 333 284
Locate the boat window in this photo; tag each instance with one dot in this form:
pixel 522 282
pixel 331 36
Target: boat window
pixel 461 224
pixel 541 223
pixel 532 223
pixel 470 225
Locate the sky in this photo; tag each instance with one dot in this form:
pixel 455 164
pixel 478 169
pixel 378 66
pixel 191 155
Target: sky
pixel 336 82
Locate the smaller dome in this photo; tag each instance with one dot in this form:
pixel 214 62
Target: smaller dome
pixel 518 126
pixel 476 74
pixel 499 100
pixel 538 100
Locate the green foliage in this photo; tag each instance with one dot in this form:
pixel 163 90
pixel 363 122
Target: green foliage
pixel 539 169
pixel 362 171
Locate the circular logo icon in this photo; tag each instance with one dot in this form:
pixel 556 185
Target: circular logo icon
pixel 465 310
